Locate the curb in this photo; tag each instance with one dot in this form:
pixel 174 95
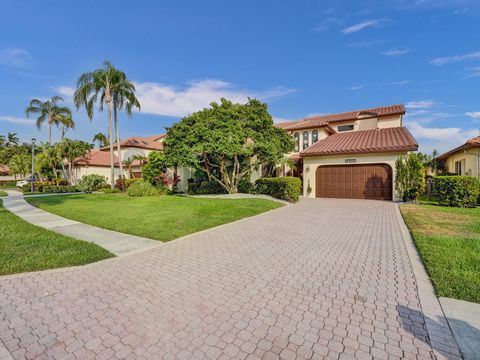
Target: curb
pixel 441 337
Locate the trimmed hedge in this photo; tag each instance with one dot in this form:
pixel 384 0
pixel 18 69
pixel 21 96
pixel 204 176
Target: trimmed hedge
pixel 246 187
pixel 60 189
pixel 284 188
pixel 458 191
pixel 6 183
pixel 39 185
pixel 143 188
pixel 205 187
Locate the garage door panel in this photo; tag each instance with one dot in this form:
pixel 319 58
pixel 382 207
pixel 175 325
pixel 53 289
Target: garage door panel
pixel 359 181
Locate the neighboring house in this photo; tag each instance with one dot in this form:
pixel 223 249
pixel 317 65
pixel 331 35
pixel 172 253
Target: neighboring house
pixel 5 173
pixel 351 154
pixel 463 160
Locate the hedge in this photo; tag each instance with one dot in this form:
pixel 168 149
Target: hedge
pixel 458 191
pixel 60 189
pixel 143 188
pixel 39 185
pixel 6 183
pixel 205 187
pixel 284 188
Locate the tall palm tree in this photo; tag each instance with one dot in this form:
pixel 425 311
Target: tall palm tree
pixel 101 139
pixel 434 159
pixel 128 162
pixel 47 111
pixel 65 122
pixel 90 86
pixel 123 99
pixel 12 140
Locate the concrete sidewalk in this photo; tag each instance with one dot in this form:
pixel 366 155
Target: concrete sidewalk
pixel 115 242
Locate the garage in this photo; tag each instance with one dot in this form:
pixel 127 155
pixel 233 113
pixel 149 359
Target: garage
pixel 356 181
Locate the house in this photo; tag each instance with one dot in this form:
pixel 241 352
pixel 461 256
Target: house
pixel 464 159
pixel 351 154
pixel 5 173
pixel 97 161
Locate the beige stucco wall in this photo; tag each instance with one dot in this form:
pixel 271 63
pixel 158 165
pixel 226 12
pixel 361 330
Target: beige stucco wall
pixel 310 165
pixel 470 162
pixel 322 134
pixel 98 170
pixel 130 151
pixel 389 121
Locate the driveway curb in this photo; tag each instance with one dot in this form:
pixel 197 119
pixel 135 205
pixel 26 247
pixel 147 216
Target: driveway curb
pixel 441 336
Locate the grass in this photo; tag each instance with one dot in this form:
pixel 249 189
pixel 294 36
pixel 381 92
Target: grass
pixel 448 240
pixel 157 217
pixel 25 247
pixel 3 193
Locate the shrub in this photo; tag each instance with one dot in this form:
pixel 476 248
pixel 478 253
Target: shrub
pixel 246 187
pixel 60 189
pixel 205 187
pixel 125 184
pixel 8 183
pixel 284 188
pixel 90 183
pixel 143 188
pixel 109 190
pixel 458 191
pixel 157 164
pixel 410 178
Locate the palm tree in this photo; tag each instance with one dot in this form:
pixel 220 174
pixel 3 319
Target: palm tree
pixel 48 111
pixel 285 162
pixel 65 122
pixel 90 86
pixel 128 163
pixel 123 99
pixel 101 139
pixel 2 140
pixel 434 159
pixel 12 140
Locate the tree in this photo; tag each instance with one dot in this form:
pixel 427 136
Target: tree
pixel 48 111
pixel 227 141
pixel 99 85
pixel 66 122
pixel 49 157
pixel 410 177
pixel 101 139
pixel 2 140
pixel 157 165
pixel 123 94
pixel 286 162
pixel 20 164
pixel 128 162
pixel 12 140
pixel 69 150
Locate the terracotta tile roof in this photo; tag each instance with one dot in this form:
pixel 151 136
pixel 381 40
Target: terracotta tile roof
pixel 4 169
pixel 285 124
pixel 365 141
pixel 470 143
pixel 323 120
pixel 142 143
pixel 96 158
pixel 155 137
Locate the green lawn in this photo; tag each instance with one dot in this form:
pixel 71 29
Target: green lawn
pixel 448 240
pixel 157 217
pixel 3 193
pixel 25 247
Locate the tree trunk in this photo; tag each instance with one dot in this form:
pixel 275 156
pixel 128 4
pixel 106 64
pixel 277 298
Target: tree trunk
pixel 110 134
pixel 49 133
pixel 118 140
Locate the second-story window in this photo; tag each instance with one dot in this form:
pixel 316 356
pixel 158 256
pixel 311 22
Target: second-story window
pixel 296 137
pixel 345 127
pixel 314 136
pixel 305 140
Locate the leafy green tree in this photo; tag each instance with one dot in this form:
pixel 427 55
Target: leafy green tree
pixel 91 86
pixel 48 111
pixel 6 153
pixel 69 150
pixel 65 122
pixel 12 140
pixel 20 164
pixel 100 139
pixel 49 158
pixel 410 177
pixel 2 140
pixel 227 141
pixel 157 164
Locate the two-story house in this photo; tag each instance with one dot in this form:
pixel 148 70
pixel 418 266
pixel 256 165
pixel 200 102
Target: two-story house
pixel 351 154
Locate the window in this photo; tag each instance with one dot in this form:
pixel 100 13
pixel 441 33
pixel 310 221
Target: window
pixel 458 167
pixel 314 136
pixel 305 140
pixel 345 127
pixel 296 137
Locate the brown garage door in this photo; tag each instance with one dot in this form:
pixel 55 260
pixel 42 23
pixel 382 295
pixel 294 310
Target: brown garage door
pixel 359 181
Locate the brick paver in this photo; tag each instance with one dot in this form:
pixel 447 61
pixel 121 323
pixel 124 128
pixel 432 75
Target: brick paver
pixel 320 279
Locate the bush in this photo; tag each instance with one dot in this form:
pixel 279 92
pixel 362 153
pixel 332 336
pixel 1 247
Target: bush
pixel 410 178
pixel 284 188
pixel 60 189
pixel 109 190
pixel 8 183
pixel 39 185
pixel 143 188
pixel 205 187
pixel 157 164
pixel 458 191
pixel 125 184
pixel 246 187
pixel 90 183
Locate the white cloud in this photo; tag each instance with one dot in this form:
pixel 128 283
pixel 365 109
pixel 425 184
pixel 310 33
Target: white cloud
pixel 472 72
pixel 474 115
pixel 395 52
pixel 327 24
pixel 15 57
pixel 457 58
pixel 17 120
pixel 357 87
pixel 361 26
pixel 65 91
pixel 401 82
pixel 422 104
pixel 167 100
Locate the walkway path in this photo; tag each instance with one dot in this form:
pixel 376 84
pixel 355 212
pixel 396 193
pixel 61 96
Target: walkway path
pixel 320 279
pixel 115 242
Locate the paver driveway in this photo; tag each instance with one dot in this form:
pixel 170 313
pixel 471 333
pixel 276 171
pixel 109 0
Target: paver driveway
pixel 320 279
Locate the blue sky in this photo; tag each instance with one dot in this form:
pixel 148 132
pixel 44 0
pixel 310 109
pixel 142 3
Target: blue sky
pixel 301 57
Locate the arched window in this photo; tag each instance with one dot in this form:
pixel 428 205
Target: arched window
pixel 314 136
pixel 296 137
pixel 305 140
